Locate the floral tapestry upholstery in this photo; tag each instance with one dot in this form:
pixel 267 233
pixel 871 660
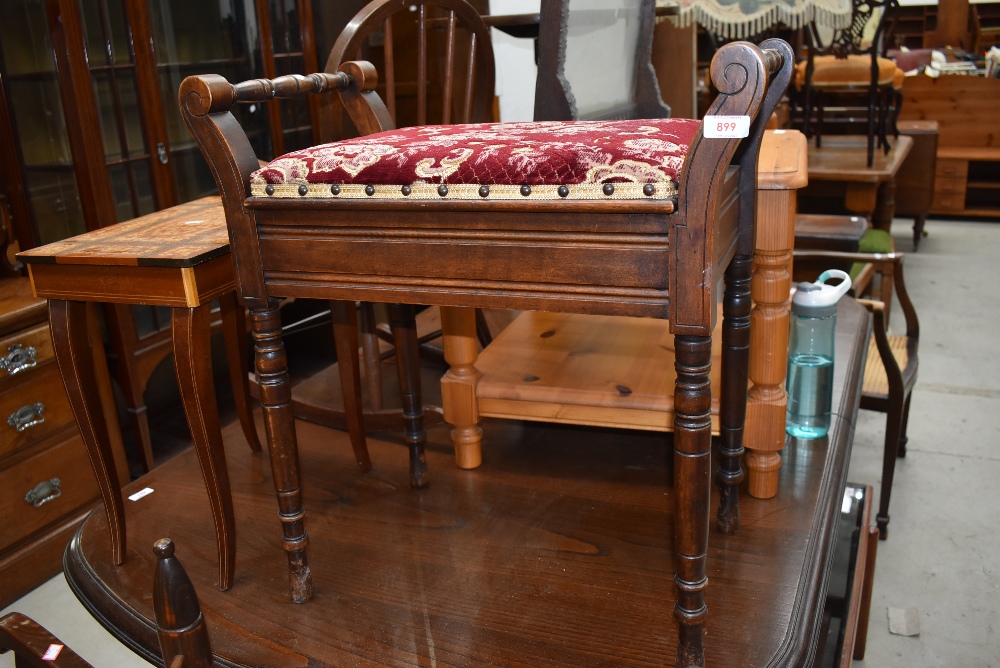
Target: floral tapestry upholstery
pixel 633 159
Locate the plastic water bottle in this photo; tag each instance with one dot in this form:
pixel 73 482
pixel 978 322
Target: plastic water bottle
pixel 810 355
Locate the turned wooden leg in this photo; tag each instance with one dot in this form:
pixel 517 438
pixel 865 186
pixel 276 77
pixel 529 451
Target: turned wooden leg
pixel 345 337
pixel 458 386
pixel 733 407
pixel 402 319
pixel 234 332
pixel 371 356
pixel 72 347
pixel 767 400
pixel 271 365
pixel 193 364
pixel 692 483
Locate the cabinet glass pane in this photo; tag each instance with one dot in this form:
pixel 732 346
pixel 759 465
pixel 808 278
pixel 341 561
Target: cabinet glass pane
pixel 143 187
pixel 105 28
pixel 285 35
pixel 190 37
pixel 41 128
pixel 131 119
pixel 24 38
pixel 123 194
pixel 55 203
pixel 109 118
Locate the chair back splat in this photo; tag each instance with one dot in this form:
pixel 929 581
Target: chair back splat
pixel 452 71
pixel 517 216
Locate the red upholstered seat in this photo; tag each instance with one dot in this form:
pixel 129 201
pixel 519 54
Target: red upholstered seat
pixel 633 159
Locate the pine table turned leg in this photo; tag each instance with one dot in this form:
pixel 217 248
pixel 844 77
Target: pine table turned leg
pixel 271 365
pixel 458 387
pixel 767 401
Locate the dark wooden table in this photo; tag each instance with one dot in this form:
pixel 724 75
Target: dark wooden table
pixel 179 258
pixel 555 552
pixel 841 166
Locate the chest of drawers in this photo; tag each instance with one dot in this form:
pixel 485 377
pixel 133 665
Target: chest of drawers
pixel 46 484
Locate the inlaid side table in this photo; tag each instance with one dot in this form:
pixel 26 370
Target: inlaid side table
pixel 178 258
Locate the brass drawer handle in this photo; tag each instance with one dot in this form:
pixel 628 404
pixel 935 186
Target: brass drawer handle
pixel 28 416
pixel 44 492
pixel 18 358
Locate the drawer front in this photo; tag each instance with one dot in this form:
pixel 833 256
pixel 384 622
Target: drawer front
pixel 21 404
pixel 66 462
pixel 949 186
pixel 952 168
pixel 946 202
pixel 23 352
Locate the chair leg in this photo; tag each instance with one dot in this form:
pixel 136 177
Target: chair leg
pixel 901 448
pixel 234 332
pixel 370 355
pixel 893 428
pixel 819 120
pixel 735 366
pixel 345 337
pixel 403 320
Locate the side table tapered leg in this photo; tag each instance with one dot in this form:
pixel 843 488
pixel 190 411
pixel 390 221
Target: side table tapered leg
pixel 193 364
pixel 692 483
pixel 271 365
pixel 234 330
pixel 72 347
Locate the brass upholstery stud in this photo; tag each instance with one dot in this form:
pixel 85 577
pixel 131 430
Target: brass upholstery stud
pixel 303 190
pixel 442 190
pixel 269 189
pixel 369 190
pixel 406 190
pixel 525 190
pixel 563 191
pixel 648 190
pixel 484 191
pixel 335 189
pixel 608 189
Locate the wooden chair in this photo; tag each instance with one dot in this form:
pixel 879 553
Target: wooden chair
pixel 439 225
pixel 180 624
pixel 419 49
pixel 891 370
pixel 845 67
